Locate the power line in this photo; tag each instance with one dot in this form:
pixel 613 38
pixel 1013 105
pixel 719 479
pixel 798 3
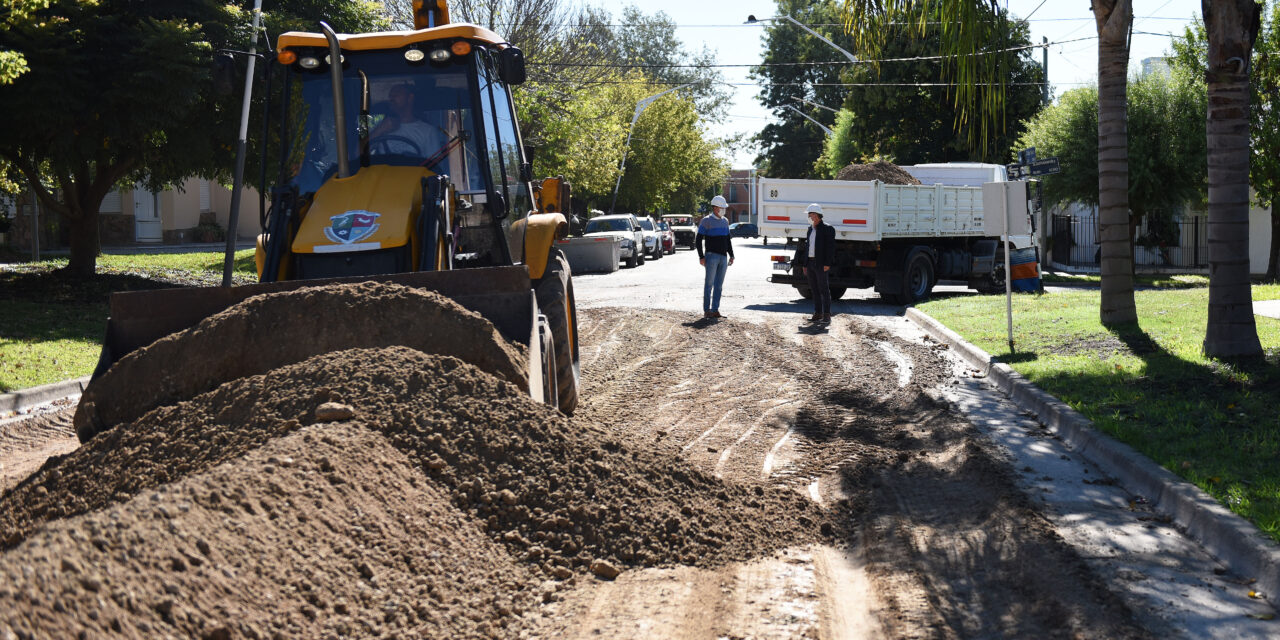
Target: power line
pixel 792 64
pixel 812 84
pixel 1033 11
pixel 617 25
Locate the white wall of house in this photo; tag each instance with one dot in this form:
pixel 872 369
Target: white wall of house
pixel 1259 239
pixel 1259 234
pixel 180 209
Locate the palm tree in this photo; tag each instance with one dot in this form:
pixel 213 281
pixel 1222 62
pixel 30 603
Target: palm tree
pixel 1114 19
pixel 979 94
pixel 1232 27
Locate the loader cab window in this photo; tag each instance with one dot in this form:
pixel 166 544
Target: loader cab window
pixel 419 115
pixel 502 138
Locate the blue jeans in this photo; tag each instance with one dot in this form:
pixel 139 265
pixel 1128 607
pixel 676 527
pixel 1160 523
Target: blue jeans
pixel 717 265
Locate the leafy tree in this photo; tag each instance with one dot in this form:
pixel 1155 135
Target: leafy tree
pixel 914 124
pixel 799 67
pixel 120 91
pixel 1166 152
pixel 673 160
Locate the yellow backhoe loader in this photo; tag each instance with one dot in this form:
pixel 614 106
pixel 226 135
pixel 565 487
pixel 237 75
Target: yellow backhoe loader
pixel 400 160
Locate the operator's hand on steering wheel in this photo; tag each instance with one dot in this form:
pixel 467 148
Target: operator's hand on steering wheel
pixel 382 144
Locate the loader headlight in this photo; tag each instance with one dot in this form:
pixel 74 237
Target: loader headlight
pixel 440 55
pixel 309 62
pixel 414 54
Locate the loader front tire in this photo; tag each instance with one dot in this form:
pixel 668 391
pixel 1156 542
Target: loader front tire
pixel 555 300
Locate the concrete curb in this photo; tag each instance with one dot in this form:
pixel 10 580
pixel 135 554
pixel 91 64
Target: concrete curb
pixel 1233 540
pixel 27 398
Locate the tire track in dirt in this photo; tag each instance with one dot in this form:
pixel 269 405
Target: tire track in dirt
pixel 942 536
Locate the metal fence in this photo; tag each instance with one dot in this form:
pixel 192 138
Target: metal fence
pixel 1184 244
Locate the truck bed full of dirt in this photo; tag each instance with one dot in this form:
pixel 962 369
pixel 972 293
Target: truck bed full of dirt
pixel 885 172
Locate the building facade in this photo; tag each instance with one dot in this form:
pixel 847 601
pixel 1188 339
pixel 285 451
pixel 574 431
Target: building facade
pixel 137 216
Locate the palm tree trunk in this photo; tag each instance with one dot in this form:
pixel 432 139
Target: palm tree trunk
pixel 1232 26
pixel 1114 18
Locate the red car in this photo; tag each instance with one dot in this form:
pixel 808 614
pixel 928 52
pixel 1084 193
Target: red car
pixel 668 238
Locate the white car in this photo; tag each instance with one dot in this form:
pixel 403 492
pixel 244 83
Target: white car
pixel 623 226
pixel 652 237
pixel 685 228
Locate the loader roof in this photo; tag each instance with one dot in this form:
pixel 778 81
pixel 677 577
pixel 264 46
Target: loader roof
pixel 389 39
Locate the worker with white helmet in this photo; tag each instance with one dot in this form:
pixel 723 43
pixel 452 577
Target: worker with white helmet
pixel 816 256
pixel 713 232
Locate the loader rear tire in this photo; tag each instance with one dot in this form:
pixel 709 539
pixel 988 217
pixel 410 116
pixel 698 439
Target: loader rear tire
pixel 555 300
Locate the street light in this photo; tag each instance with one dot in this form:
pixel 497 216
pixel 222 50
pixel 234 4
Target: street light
pixel 806 117
pixel 640 106
pixel 820 106
pixel 754 20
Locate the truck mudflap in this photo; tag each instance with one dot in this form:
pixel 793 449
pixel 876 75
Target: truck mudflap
pixel 502 295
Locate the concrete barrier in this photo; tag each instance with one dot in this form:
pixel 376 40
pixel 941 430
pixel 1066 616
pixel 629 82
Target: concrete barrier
pixel 596 254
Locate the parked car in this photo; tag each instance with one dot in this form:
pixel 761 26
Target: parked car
pixel 685 228
pixel 624 226
pixel 668 237
pixel 652 237
pixel 743 230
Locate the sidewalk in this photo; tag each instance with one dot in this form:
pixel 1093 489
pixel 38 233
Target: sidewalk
pixel 1234 541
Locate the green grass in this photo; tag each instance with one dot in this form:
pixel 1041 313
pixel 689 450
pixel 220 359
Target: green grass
pixel 43 343
pixel 1213 423
pixel 51 327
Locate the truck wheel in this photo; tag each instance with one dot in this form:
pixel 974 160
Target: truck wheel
pixel 917 278
pixel 805 292
pixel 837 292
pixel 555 299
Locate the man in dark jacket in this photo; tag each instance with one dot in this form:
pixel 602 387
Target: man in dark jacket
pixel 817 255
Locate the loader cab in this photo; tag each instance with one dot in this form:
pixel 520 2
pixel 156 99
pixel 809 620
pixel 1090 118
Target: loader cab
pixel 433 107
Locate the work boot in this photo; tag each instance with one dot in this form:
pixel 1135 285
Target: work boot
pixel 707 314
pixel 826 318
pixel 814 318
pixel 716 314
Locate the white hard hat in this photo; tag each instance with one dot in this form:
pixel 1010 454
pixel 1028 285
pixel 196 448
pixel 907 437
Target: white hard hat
pixel 719 201
pixel 814 208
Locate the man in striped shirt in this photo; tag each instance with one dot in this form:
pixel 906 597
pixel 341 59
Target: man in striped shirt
pixel 713 232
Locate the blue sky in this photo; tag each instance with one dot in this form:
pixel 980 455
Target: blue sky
pixel 717 24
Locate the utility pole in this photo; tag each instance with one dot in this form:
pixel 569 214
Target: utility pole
pixel 233 219
pixel 1045 53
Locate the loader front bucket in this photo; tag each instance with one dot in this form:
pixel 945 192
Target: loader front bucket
pixel 501 294
pixel 299 323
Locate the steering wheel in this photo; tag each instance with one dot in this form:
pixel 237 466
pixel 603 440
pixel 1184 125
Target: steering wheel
pixel 382 145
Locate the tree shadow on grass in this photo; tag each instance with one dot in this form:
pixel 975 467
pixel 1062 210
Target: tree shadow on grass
pixel 58 287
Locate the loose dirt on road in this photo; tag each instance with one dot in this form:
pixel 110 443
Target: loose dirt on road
pixel 721 479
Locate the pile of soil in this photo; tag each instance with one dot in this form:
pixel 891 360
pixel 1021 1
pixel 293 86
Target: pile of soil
pixel 272 330
pixel 885 172
pixel 184 516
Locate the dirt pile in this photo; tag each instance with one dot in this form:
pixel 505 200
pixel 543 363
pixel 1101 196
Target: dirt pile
pixel 328 532
pixel 562 497
pixel 269 331
pixel 885 172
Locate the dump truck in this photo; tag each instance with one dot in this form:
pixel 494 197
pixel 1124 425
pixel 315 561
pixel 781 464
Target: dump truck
pixel 902 239
pixel 398 158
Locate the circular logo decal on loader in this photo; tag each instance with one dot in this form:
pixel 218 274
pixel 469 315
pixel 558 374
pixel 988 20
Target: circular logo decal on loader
pixel 352 226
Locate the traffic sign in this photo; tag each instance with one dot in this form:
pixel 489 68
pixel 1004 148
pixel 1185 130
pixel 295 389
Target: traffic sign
pixel 1016 171
pixel 1044 167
